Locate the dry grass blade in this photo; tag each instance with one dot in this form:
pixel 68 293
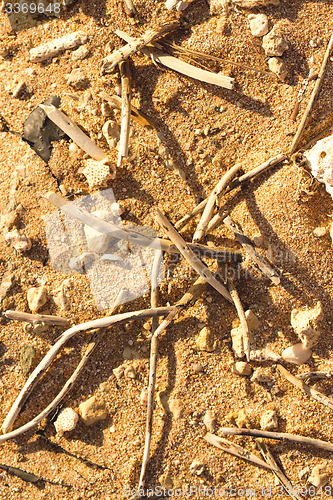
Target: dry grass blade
pixel 125 110
pixel 242 317
pixel 74 132
pixel 51 355
pixel 160 57
pixel 237 451
pixel 249 247
pixel 279 436
pixel 318 396
pixel 137 115
pixel 209 208
pixel 290 489
pixel 190 256
pixel 134 45
pixel 36 319
pixel 313 97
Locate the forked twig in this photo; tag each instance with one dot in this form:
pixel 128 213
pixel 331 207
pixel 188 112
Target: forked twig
pixel 190 256
pixel 279 436
pixel 51 355
pixel 36 319
pixel 209 208
pixel 125 110
pixel 313 97
pixel 318 396
pixel 249 247
pixel 241 315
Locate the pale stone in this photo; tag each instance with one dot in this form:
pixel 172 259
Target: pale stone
pixel 197 367
pixel 37 297
pixel 242 420
pixel 320 161
pixel 265 354
pixel 210 421
pixel 111 132
pixel 237 341
pixel 18 240
pixel 80 53
pixel 66 421
pixel 277 66
pixel 262 376
pixel 144 397
pixel 54 47
pixel 98 173
pixel 274 44
pixel 77 79
pixel 129 372
pixel 98 242
pixel 197 467
pixel 320 475
pixel 92 411
pixel 258 24
pixel 297 354
pixel 118 372
pixel 204 341
pixel 252 321
pixel 305 322
pixel 241 368
pixel 269 421
pixel 320 231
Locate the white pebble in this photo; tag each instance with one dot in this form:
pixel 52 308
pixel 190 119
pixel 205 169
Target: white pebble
pixel 258 24
pixel 296 354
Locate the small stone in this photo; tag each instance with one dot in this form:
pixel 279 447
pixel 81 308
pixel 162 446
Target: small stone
pixel 319 476
pixel 265 354
pixel 129 372
pixel 106 109
pixel 277 66
pixel 197 467
pixel 111 132
pixel 73 148
pixel 176 408
pixel 258 24
pixel 98 173
pixel 147 326
pixel 241 368
pixel 27 358
pixel 60 298
pixel 6 284
pixel 66 421
pixel 18 240
pixel 204 341
pixel 80 53
pixel 274 44
pixel 252 321
pixel 77 79
pixel 237 341
pixel 210 421
pixel 118 372
pixel 98 242
pixel 303 473
pixel 92 411
pixel 269 421
pixel 320 231
pixel 166 481
pixel 262 376
pixel 242 419
pixel 297 354
pixel 305 322
pixel 197 367
pixel 221 24
pixel 144 397
pixel 37 297
pixel 18 89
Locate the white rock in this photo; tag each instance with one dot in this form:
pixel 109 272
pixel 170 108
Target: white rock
pixel 204 341
pixel 111 132
pixel 305 322
pixel 210 421
pixel 274 44
pixel 252 321
pixel 320 161
pixel 197 467
pixel 320 231
pixel 19 241
pixel 37 297
pixel 66 421
pixel 258 24
pixel 241 368
pixel 237 341
pixel 98 242
pixel 129 372
pixel 92 411
pixel 170 4
pixel 144 397
pixel 269 421
pixel 297 354
pixel 98 173
pixel 80 53
pixel 303 473
pixel 118 372
pixel 77 79
pixel 54 47
pixel 277 66
pixel 319 476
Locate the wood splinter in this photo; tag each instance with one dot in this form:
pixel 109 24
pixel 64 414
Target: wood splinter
pixel 125 110
pixel 36 319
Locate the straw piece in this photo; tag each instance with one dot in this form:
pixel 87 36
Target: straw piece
pixel 125 110
pixel 137 115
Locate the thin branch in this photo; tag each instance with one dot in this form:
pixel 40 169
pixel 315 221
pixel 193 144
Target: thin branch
pixel 318 396
pixel 51 355
pixel 279 436
pixel 249 247
pixel 36 319
pixel 234 184
pixel 313 98
pixel 241 315
pixel 135 44
pixel 190 256
pixel 237 451
pixel 137 115
pixel 209 208
pixel 125 110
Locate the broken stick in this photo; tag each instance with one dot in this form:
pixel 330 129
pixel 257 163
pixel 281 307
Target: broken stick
pixel 125 110
pixel 241 315
pixel 36 319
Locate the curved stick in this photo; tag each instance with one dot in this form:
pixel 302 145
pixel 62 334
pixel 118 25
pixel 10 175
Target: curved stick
pixel 50 356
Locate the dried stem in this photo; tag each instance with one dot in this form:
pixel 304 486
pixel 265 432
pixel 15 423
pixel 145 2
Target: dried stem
pixel 36 319
pixel 241 315
pixel 209 208
pixel 51 355
pixel 190 256
pixel 137 115
pixel 125 110
pixel 313 98
pixel 318 396
pixel 279 436
pixel 136 44
pixel 249 247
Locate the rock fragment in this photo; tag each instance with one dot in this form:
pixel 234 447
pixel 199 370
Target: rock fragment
pixel 320 161
pixel 118 372
pixel 269 421
pixel 305 322
pixel 166 481
pixel 98 173
pixel 242 420
pixel 262 376
pixel 210 421
pixel 204 341
pixel 92 411
pixel 27 358
pixel 320 475
pixel 197 467
pixel 18 240
pixel 77 79
pixel 37 297
pixel 129 372
pixel 320 231
pixel 111 132
pixel 144 397
pixel 297 354
pixel 258 24
pixel 252 321
pixel 55 47
pixel 80 53
pixel 66 421
pixel 274 44
pixel 6 284
pixel 98 242
pixel 277 66
pixel 241 368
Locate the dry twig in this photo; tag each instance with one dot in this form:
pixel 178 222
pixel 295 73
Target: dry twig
pixel 137 115
pixel 36 319
pixel 125 110
pixel 241 315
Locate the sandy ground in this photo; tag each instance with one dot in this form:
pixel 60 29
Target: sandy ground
pixel 248 125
